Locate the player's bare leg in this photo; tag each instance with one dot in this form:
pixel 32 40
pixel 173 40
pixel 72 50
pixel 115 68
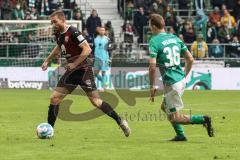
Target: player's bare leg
pixel 180 118
pixel 163 107
pixel 177 119
pixel 55 99
pixel 178 128
pixel 193 119
pixel 107 109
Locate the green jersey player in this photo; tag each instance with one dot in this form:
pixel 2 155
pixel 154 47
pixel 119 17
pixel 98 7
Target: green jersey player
pixel 166 50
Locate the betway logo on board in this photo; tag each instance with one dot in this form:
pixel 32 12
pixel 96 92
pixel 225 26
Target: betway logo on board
pixel 25 84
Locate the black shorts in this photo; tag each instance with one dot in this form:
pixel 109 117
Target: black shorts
pixel 83 77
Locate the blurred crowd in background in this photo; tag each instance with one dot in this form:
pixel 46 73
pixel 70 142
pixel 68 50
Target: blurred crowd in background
pixel 203 26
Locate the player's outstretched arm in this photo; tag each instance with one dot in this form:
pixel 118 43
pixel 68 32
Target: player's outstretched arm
pixel 55 52
pixel 188 61
pixel 152 75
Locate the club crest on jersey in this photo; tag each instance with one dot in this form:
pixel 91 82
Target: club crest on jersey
pixel 88 82
pixel 66 39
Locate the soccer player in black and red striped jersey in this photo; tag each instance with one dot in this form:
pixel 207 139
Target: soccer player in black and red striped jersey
pixel 73 46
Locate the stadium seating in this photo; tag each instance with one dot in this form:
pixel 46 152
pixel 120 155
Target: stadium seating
pixel 29 41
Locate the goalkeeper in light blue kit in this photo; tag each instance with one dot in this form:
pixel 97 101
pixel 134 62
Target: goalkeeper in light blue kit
pixel 165 50
pixel 101 62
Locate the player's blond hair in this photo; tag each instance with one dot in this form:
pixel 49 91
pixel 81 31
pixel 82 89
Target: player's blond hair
pixel 59 13
pixel 157 20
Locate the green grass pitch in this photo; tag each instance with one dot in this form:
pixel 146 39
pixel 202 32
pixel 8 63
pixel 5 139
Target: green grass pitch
pixel 101 139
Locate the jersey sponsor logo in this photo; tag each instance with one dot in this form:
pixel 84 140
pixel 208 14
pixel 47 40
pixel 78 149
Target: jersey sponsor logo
pixel 66 39
pixel 80 38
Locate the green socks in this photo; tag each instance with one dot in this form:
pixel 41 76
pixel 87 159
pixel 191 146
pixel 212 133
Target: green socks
pixel 196 119
pixel 178 129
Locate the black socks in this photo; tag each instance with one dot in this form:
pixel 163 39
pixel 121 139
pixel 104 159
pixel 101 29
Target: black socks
pixel 52 114
pixel 107 109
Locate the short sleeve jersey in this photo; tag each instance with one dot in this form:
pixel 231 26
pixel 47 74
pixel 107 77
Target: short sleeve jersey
pixel 69 42
pixel 167 49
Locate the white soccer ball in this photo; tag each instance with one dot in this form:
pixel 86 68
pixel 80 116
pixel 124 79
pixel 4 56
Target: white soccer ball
pixel 45 131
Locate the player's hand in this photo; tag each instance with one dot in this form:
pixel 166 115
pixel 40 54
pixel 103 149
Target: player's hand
pixel 45 65
pixel 152 94
pixel 70 66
